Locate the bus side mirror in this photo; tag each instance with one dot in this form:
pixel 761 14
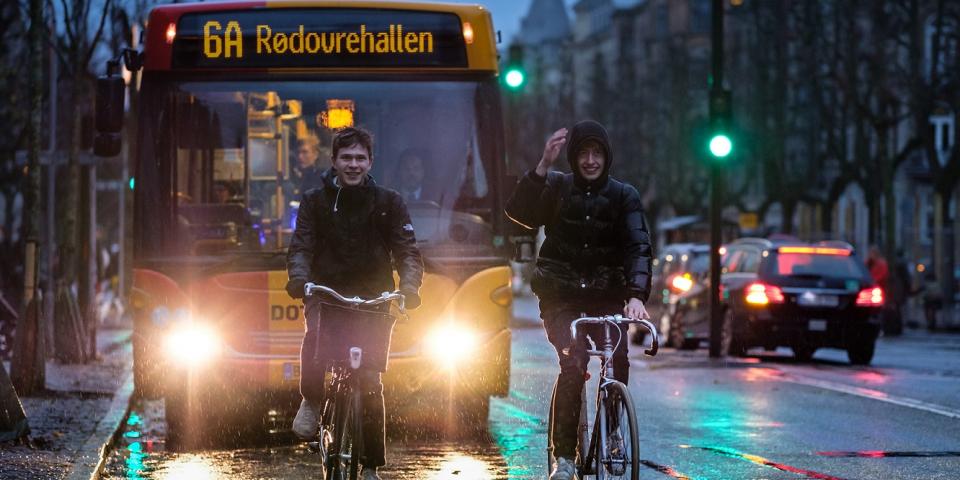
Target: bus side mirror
pixel 107 144
pixel 108 117
pixel 110 93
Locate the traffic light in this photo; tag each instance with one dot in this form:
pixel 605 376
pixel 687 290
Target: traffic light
pixel 721 116
pixel 514 75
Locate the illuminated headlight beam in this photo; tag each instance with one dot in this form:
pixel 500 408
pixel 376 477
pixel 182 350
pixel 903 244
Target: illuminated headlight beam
pixel 193 344
pixel 451 344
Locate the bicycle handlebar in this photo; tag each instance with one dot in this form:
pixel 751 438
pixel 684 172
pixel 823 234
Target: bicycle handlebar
pixel 618 320
pixel 310 288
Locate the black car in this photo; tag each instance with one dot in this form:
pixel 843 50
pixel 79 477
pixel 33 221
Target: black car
pixel 803 296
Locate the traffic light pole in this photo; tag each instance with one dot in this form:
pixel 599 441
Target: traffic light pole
pixel 716 85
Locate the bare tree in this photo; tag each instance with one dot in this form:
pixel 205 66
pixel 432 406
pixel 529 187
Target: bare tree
pixel 76 45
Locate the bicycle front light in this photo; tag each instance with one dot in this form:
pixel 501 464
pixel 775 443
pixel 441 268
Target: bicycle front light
pixel 192 344
pixel 451 344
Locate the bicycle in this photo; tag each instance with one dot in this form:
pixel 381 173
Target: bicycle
pixel 605 450
pixel 364 340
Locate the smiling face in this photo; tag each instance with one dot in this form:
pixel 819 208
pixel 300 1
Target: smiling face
pixel 590 160
pixel 352 164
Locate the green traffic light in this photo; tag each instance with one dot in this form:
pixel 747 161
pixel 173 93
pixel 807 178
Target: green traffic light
pixel 720 145
pixel 132 182
pixel 514 78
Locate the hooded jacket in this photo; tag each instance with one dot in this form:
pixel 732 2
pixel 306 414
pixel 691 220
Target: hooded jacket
pixel 597 245
pixel 350 239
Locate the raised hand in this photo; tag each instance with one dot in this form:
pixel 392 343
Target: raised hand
pixel 551 151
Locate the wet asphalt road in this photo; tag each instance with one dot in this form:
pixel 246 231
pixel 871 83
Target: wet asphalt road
pixel 763 417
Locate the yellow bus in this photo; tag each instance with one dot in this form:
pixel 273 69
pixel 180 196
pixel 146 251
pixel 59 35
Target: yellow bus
pixel 229 92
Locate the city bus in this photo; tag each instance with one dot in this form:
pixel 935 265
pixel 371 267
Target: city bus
pixel 229 91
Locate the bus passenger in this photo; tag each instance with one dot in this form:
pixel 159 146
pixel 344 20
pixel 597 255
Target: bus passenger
pixel 308 170
pixel 410 176
pixel 347 231
pixel 596 260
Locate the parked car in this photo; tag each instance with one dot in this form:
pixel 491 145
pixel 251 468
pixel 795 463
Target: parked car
pixel 803 296
pixel 680 268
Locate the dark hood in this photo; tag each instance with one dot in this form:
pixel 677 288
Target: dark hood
pixel 580 133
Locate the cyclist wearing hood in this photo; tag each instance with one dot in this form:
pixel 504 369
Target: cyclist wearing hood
pixel 595 260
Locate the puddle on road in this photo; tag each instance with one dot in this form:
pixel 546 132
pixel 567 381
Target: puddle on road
pixel 140 454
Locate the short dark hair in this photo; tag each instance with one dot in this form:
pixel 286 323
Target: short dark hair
pixel 351 136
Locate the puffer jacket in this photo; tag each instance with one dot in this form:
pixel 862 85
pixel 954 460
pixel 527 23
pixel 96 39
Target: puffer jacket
pixel 597 244
pixel 351 238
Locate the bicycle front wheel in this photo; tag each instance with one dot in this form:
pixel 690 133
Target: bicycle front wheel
pixel 344 456
pixel 620 459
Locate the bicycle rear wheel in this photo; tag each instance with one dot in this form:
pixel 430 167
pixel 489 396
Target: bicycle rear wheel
pixel 583 434
pixel 621 460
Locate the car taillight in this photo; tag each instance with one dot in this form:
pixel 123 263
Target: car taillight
pixel 681 283
pixel 870 297
pixel 761 294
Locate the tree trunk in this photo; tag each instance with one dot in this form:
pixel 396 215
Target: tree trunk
pixel 70 334
pixel 28 366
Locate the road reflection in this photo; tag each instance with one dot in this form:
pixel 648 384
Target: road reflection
pixel 141 454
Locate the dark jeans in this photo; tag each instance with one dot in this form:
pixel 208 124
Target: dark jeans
pixel 557 318
pixel 312 388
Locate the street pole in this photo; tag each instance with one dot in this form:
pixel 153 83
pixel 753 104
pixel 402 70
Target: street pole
pixel 716 85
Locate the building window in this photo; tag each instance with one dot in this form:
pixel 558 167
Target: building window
pixel 663 20
pixel 699 16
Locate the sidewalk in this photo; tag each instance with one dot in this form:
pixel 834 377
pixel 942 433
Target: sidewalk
pixel 63 418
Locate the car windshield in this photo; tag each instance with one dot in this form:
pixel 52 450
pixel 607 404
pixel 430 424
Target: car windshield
pixel 808 264
pixel 242 153
pixel 699 262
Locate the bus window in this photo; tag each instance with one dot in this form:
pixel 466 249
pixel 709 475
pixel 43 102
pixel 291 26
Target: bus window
pixel 239 142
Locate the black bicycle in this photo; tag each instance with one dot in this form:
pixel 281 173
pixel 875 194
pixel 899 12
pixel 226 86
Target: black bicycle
pixel 610 447
pixel 352 333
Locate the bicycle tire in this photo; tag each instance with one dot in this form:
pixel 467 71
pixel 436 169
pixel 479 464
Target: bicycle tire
pixel 341 453
pixel 357 429
pixel 619 409
pixel 550 459
pixel 583 432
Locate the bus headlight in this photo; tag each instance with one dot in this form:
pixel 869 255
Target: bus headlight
pixel 192 344
pixel 451 344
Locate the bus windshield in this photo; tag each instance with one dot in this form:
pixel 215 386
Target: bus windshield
pixel 230 159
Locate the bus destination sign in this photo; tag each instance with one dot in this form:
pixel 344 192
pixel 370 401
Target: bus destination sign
pixel 314 38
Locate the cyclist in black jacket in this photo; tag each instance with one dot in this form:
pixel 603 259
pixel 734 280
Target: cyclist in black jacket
pixel 350 235
pixel 595 260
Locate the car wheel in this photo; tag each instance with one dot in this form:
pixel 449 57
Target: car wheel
pixel 861 348
pixel 803 352
pixel 675 332
pixel 730 345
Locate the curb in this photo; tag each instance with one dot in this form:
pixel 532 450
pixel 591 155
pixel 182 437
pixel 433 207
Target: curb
pixel 92 458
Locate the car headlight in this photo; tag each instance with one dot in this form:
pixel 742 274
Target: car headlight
pixel 450 344
pixel 192 344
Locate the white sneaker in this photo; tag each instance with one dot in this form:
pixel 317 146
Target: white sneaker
pixel 369 473
pixel 306 423
pixel 564 470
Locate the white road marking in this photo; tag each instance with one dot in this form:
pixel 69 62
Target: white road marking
pixel 870 393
